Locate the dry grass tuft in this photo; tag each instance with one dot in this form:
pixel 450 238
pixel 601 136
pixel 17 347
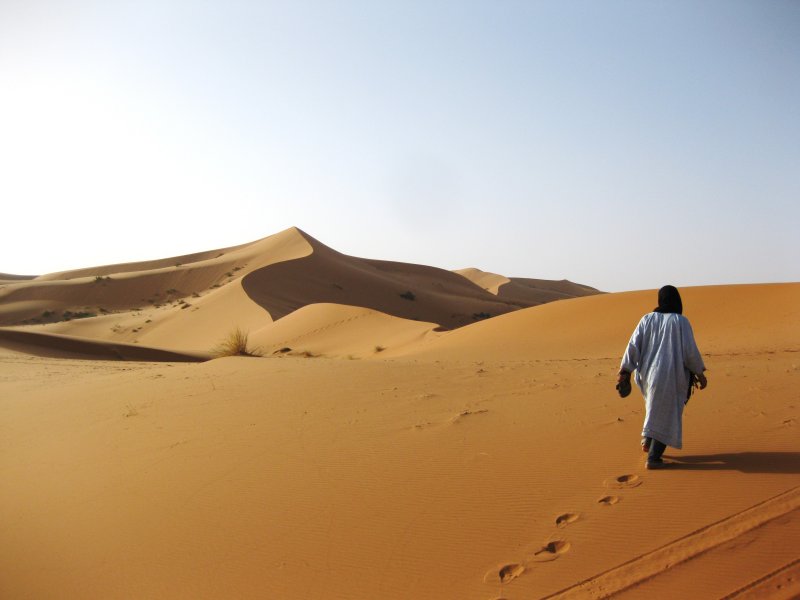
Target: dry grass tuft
pixel 235 345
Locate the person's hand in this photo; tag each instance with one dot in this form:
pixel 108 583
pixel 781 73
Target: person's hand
pixel 623 376
pixel 701 378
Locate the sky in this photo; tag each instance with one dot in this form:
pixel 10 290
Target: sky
pixel 619 144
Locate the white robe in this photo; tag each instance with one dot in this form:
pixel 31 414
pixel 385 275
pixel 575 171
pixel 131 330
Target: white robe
pixel 663 354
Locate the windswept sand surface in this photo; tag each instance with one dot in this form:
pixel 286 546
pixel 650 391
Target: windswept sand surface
pixel 491 461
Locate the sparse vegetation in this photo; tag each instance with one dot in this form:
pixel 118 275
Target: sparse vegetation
pixel 283 350
pixel 236 344
pixel 99 278
pixel 379 348
pixel 480 316
pixel 68 315
pixel 408 295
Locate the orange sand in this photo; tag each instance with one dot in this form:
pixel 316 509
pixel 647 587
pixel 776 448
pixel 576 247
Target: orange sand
pixel 491 461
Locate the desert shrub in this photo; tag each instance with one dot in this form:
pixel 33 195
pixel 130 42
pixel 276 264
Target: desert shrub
pixel 480 316
pixel 379 348
pixel 235 344
pixel 408 296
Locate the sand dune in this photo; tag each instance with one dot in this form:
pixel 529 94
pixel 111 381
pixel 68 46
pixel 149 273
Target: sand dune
pixel 131 287
pixel 490 461
pixel 334 330
pixel 9 278
pixel 189 303
pixel 414 292
pixel 526 292
pixel 741 318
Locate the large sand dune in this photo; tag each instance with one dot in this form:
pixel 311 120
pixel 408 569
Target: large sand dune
pixel 494 460
pixel 189 303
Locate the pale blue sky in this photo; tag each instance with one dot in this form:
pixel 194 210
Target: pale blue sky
pixel 623 144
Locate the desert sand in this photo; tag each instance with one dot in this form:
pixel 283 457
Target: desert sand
pixel 409 432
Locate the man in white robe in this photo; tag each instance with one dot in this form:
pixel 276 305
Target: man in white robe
pixel 664 356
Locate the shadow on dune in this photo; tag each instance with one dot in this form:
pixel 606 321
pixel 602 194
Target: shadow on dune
pixel 745 462
pixel 54 345
pixel 408 291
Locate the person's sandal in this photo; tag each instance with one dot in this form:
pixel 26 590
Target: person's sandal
pixel 655 464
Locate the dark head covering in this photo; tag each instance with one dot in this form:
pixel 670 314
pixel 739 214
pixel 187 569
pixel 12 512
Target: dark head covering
pixel 669 300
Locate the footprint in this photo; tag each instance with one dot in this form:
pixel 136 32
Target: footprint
pixel 466 413
pixel 505 573
pixel 566 519
pixel 624 481
pixel 609 500
pixel 551 551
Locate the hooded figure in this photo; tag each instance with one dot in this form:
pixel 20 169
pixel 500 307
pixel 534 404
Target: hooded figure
pixel 664 356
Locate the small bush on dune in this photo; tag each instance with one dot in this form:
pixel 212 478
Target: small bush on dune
pixel 235 344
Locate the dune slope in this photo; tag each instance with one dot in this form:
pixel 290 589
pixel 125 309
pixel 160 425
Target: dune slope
pixel 414 292
pixel 726 319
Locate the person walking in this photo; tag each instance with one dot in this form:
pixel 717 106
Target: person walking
pixel 663 354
